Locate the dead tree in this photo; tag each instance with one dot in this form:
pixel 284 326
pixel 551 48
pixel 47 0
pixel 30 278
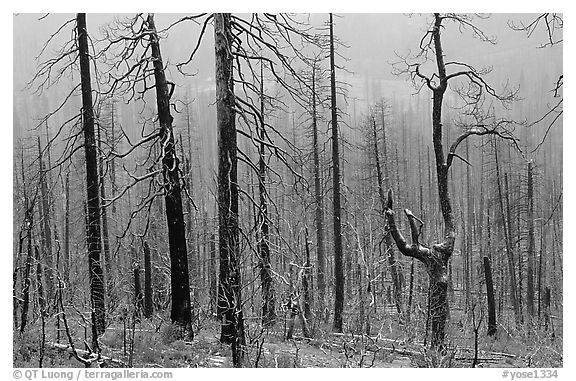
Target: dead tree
pixel 475 120
pixel 268 298
pixel 531 244
pixel 337 209
pixel 387 238
pixel 435 259
pixel 94 236
pixel 229 290
pixel 505 218
pixel 147 282
pixel 181 310
pixel 490 296
pixel 318 199
pixel 135 42
pixel 46 231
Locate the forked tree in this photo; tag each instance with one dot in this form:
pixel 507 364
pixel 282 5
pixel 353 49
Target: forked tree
pixel 476 119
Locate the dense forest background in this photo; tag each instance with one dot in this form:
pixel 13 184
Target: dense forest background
pixel 506 193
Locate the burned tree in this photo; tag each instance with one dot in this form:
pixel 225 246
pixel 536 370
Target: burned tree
pixel 477 119
pixel 268 299
pixel 181 313
pixel 229 289
pixel 240 43
pixel 94 236
pixel 132 48
pixel 337 212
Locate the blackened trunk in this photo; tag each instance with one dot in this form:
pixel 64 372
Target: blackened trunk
pixel 438 305
pixel 229 290
pixel 268 300
pixel 469 223
pixel 108 266
pixel 212 277
pixel 66 254
pixel 306 286
pixel 181 312
pixel 410 292
pixel 509 251
pixel 46 232
pixel 147 282
pixel 388 238
pixel 94 237
pixel 531 244
pixel 40 282
pixel 338 265
pixel 490 297
pixel 137 291
pixel 27 271
pixel 319 207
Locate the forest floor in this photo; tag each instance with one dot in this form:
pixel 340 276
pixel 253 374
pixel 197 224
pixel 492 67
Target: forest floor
pixel 391 346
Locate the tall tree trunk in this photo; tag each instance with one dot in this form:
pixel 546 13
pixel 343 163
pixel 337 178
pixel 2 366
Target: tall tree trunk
pixel 531 244
pixel 338 265
pixel 387 237
pixel 94 237
pixel 319 207
pixel 181 312
pixel 436 258
pixel 306 286
pixel 212 275
pixel 137 291
pixel 46 231
pixel 40 283
pixel 147 282
pixel 229 290
pixel 469 223
pixel 490 297
pixel 112 160
pixel 108 266
pixel 509 251
pixel 27 270
pixel 66 254
pixel 268 299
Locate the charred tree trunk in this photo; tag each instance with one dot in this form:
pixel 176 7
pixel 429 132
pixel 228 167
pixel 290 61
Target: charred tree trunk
pixel 388 238
pixel 508 238
pixel 66 254
pixel 268 299
pixel 137 291
pixel 435 258
pixel 490 296
pixel 46 232
pixel 181 312
pixel 531 244
pixel 27 269
pixel 229 290
pixel 306 286
pixel 40 282
pixel 469 223
pixel 338 265
pixel 147 282
pixel 94 237
pixel 319 207
pixel 108 266
pixel 212 275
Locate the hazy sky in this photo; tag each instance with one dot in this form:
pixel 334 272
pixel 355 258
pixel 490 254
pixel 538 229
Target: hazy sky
pixel 373 42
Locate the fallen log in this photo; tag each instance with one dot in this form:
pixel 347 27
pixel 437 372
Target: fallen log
pixel 88 357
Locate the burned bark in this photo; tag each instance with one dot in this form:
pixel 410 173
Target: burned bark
pixel 490 296
pixel 181 311
pixel 229 290
pixel 147 282
pixel 268 299
pixel 337 210
pixel 94 236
